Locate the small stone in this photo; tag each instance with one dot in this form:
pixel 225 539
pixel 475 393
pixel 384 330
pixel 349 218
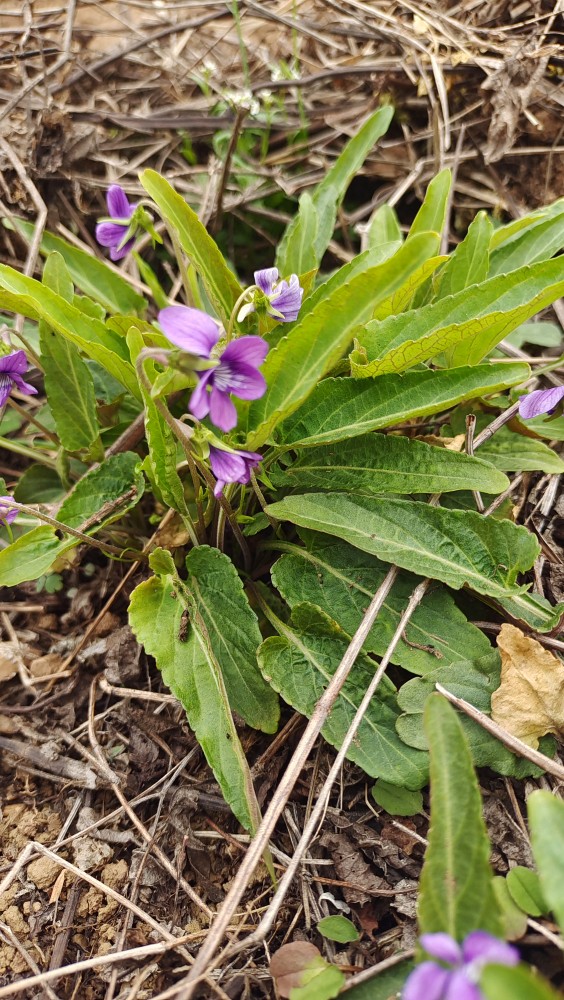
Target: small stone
pixel 43 872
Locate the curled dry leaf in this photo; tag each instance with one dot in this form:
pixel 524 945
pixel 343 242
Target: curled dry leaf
pixel 530 699
pixel 287 965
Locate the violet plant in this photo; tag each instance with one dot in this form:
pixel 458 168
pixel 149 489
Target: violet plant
pixel 254 414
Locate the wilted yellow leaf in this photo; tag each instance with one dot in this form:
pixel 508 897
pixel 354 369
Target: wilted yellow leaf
pixel 530 699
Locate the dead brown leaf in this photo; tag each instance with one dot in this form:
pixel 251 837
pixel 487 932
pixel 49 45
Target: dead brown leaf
pixel 530 699
pixel 288 963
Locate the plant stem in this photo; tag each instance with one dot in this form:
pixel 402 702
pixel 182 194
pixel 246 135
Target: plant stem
pixel 104 547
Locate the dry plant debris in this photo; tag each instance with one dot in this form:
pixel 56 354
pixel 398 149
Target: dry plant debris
pixel 530 699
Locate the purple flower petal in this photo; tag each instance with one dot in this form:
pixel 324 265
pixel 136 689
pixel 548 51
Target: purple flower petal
pixel 461 988
pixel 266 278
pixel 441 946
pixel 226 465
pixel 247 383
pixel 288 299
pixel 199 404
pixel 118 253
pixel 16 362
pixel 483 947
pixel 540 401
pixel 110 234
pixel 118 203
pixel 427 982
pixel 249 350
pixel 190 329
pixel 222 410
pixel 24 387
pixel 7 512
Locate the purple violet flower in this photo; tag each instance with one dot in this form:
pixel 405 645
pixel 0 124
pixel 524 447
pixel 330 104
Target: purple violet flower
pixel 430 981
pixel 534 404
pixel 12 367
pixel 236 371
pixel 7 512
pixel 113 233
pixel 231 466
pixel 284 297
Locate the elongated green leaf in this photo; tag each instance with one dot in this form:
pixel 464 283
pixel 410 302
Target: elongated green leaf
pixel 408 263
pixel 466 326
pixel 402 299
pixel 157 614
pixel 525 890
pixel 68 382
pixel 315 344
pixel 534 610
pixel 299 254
pixel 456 890
pixel 537 242
pixel 90 335
pixel 512 452
pixel 469 263
pixel 300 662
pixel 508 232
pixel 344 408
pixel 329 195
pixel 31 555
pixel 100 497
pixel 380 463
pixel 475 679
pixel 341 581
pixel 233 634
pixel 432 214
pixel 105 493
pixel 93 276
pixel 220 283
pixel 501 982
pixel 383 228
pixel 546 821
pixel 459 547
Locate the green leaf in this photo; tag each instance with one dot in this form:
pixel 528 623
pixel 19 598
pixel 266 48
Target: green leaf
pixel 475 679
pixel 39 484
pixel 338 928
pixel 469 263
pixel 220 283
pixel 300 662
pixel 459 547
pixel 298 254
pixel 233 635
pixel 316 343
pixel 341 580
pixel 466 326
pixel 103 283
pixel 534 610
pixel 157 614
pixel 328 196
pixel 68 382
pixel 343 408
pixel 525 890
pixel 100 497
pixel 383 228
pixel 456 890
pixel 31 555
pixel 322 982
pixel 161 462
pixel 397 801
pixel 380 463
pixel 432 214
pixel 514 920
pixel 386 985
pixel 512 452
pixel 90 335
pixel 537 242
pixel 105 493
pixel 403 298
pixel 501 982
pixel 546 822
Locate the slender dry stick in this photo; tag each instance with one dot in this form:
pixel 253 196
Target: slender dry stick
pixel 286 785
pixel 470 429
pixel 87 539
pixel 511 742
